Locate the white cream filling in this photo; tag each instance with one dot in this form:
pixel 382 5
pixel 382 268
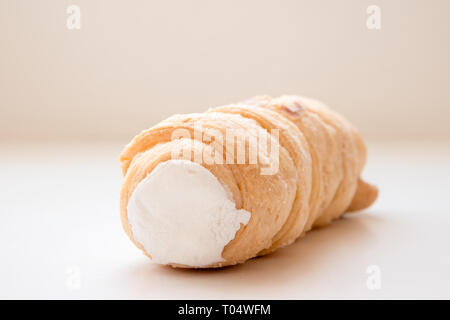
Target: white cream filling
pixel 182 214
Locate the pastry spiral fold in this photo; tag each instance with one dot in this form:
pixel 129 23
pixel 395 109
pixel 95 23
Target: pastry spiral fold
pixel 312 179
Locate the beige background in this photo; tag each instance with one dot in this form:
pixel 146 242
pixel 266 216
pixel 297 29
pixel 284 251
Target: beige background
pixel 134 63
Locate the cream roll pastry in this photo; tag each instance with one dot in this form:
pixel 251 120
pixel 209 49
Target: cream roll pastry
pixel 217 188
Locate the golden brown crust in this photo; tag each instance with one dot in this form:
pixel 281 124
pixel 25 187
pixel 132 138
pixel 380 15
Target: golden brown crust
pixel 321 157
pixel 295 143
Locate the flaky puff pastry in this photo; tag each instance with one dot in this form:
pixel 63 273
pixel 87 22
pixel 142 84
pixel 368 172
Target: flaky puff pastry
pixel 320 159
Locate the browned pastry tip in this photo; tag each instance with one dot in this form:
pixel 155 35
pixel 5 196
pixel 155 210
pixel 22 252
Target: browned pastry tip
pixel 365 196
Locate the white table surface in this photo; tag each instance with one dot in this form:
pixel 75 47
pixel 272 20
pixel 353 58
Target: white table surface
pixel 61 238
